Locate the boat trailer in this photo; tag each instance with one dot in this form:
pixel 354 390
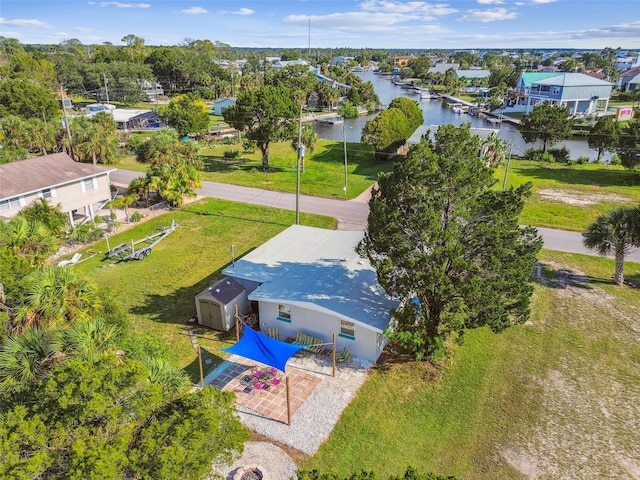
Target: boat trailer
pixel 128 251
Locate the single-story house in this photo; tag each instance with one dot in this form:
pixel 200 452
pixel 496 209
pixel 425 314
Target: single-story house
pixel 94 108
pixel 579 93
pixel 81 189
pixel 222 103
pixel 627 63
pixel 443 67
pixel 311 280
pixel 129 119
pixel 473 74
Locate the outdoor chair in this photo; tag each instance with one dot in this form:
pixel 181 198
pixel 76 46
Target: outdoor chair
pixel 275 383
pixel 273 332
pixel 344 356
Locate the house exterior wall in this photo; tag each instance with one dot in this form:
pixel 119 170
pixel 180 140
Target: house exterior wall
pixel 366 342
pixel 71 196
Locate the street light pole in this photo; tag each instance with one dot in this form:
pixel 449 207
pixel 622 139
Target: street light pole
pixel 300 153
pixel 344 141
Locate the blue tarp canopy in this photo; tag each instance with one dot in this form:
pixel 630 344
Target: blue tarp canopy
pixel 263 349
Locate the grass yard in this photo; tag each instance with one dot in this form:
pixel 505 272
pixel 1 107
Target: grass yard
pixel 570 197
pixel 556 398
pixel 158 292
pixel 323 175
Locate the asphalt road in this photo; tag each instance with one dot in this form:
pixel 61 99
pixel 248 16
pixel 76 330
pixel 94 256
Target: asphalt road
pixel 351 215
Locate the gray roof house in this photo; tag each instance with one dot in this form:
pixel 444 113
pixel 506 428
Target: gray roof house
pixel 443 67
pixel 311 280
pixel 222 103
pixel 630 80
pixel 81 189
pixel 579 93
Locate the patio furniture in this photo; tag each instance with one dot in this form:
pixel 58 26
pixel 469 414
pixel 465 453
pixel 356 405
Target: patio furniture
pixel 274 332
pixel 275 383
pixel 344 356
pixel 311 344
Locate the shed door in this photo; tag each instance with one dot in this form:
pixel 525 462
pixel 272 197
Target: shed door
pixel 211 314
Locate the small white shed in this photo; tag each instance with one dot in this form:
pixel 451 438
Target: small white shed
pixel 216 304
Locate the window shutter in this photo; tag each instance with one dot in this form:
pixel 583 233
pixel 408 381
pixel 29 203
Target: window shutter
pixel 53 193
pixel 82 187
pixel 21 200
pixel 95 183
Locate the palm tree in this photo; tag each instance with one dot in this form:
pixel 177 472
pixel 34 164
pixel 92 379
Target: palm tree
pixel 90 338
pixel 617 231
pixel 26 358
pixel 30 240
pixel 57 296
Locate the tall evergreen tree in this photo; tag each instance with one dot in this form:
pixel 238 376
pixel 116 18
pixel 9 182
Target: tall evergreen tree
pixel 549 123
pixel 447 245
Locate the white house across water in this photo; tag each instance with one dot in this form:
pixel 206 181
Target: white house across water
pixel 311 280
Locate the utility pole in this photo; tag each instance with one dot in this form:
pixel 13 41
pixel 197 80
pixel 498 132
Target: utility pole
pixel 66 123
pixel 104 76
pixel 300 153
pixel 344 141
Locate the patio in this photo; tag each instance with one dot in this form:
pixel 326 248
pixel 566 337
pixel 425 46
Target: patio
pixel 270 403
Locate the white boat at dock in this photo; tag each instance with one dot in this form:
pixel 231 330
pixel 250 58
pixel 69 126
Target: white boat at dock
pixel 331 120
pixel 426 95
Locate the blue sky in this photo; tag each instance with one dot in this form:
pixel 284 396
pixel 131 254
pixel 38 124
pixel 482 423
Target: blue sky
pixel 334 23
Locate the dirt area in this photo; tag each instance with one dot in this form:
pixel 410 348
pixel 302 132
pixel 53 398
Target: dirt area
pixel 590 409
pixel 580 198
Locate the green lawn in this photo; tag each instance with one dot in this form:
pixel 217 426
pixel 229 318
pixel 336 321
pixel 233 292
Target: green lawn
pixel 323 175
pixel 570 197
pixel 537 396
pixel 158 292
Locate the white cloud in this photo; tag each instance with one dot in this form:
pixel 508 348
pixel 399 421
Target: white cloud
pixel 490 2
pixel 195 10
pixel 437 9
pixel 241 11
pixel 83 29
pixel 120 4
pixel 23 22
pixel 488 15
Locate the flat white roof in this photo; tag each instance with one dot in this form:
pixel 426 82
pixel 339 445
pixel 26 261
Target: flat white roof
pixel 320 270
pixel 122 115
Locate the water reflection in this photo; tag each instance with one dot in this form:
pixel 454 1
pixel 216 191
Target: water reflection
pixel 435 113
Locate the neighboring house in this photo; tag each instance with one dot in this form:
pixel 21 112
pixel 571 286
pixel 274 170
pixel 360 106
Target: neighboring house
pixel 94 108
pixel 81 189
pixel 287 63
pixel 579 93
pixel 443 67
pixel 311 280
pixel 630 80
pixel 627 63
pixel 525 80
pixel 222 103
pixel 402 61
pixel 341 60
pixel 473 74
pixel 151 91
pixel 127 119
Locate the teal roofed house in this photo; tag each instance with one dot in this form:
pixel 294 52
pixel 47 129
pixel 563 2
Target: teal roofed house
pixel 527 78
pixel 580 94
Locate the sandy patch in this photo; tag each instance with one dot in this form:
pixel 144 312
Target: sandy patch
pixel 579 198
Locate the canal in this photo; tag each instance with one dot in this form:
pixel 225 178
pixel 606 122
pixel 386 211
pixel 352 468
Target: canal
pixel 435 113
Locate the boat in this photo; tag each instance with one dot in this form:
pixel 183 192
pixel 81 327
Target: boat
pixel 426 95
pixel 331 120
pixel 457 110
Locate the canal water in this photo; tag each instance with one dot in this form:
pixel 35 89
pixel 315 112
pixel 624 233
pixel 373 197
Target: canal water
pixel 435 113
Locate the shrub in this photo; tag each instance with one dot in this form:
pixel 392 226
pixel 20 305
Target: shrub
pixel 136 217
pixel 615 160
pixel 231 153
pixel 249 146
pixel 561 155
pixel 582 160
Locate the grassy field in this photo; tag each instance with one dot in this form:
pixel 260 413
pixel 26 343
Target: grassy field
pixel 158 292
pixel 556 398
pixel 323 175
pixel 570 197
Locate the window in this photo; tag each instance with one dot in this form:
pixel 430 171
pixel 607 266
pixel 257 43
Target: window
pixel 47 193
pixel 347 330
pixel 10 203
pixel 545 88
pixel 89 184
pixel 284 313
